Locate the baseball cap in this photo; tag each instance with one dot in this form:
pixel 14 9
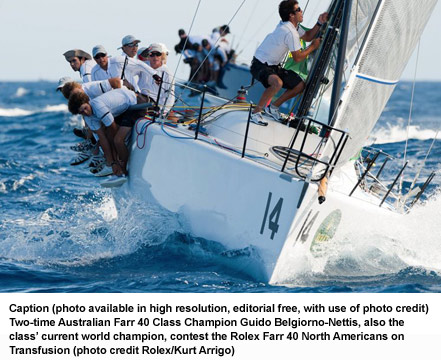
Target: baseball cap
pixel 156 47
pixel 128 39
pixel 164 48
pixel 64 80
pixel 98 49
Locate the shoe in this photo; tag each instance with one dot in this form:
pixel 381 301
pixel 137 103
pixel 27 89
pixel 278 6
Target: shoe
pixel 85 145
pixel 96 160
pixel 80 133
pixel 257 118
pixel 82 157
pixel 97 168
pixel 105 171
pixel 272 111
pixel 114 181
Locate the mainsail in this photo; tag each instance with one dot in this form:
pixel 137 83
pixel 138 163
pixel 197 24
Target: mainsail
pixel 394 32
pixel 361 17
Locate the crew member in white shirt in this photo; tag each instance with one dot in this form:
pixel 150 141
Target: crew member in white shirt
pixel 92 89
pixel 99 114
pixel 80 61
pixel 266 65
pixel 157 56
pixel 112 67
pixel 218 38
pixel 217 59
pixel 101 70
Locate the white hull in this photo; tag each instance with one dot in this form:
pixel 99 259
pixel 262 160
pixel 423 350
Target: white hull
pixel 245 205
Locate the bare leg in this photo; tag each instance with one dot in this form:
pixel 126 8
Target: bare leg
pixel 289 94
pixel 123 152
pixel 105 145
pixel 275 84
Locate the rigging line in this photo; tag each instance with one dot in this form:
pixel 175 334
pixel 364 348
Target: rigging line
pixel 422 165
pixel 248 23
pixel 410 114
pixel 306 6
pixel 356 25
pixel 214 46
pixel 271 14
pixel 186 40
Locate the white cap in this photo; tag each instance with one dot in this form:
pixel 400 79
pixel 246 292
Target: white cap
pixel 156 47
pixel 98 49
pixel 164 48
pixel 128 39
pixel 64 80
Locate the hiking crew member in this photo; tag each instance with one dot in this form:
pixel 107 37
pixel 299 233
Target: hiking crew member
pixel 80 61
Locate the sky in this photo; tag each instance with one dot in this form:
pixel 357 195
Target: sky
pixel 35 33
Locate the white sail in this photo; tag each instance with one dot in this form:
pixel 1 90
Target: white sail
pixel 361 16
pixel 395 32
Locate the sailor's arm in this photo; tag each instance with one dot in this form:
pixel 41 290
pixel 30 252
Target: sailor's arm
pixel 301 55
pixel 311 33
pixel 136 67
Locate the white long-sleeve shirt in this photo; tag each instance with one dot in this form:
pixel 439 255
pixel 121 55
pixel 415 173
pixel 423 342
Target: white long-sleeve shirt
pixel 86 70
pixel 109 105
pixel 149 87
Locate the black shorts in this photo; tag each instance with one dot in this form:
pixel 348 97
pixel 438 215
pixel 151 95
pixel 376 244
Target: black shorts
pixel 262 71
pixel 129 117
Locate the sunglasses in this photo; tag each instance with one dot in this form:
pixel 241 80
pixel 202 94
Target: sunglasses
pixel 297 10
pixel 99 56
pixel 132 45
pixel 155 53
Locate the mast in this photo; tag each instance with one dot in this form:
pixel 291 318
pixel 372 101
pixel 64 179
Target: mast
pixel 321 62
pixel 338 75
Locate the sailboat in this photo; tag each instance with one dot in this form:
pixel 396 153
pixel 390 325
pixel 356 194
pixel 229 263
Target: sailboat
pixel 265 190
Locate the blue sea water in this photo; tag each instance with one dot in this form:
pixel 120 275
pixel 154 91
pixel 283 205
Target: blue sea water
pixel 59 230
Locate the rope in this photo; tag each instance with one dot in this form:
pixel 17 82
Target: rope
pixel 185 43
pixel 138 133
pixel 410 115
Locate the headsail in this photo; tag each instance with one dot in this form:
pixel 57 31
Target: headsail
pixel 394 33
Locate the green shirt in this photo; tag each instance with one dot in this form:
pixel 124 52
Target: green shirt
pixel 301 67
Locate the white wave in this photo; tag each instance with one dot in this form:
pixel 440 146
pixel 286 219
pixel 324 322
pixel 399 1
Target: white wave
pixel 55 108
pixel 397 133
pixel 19 183
pixel 371 245
pixel 21 92
pixel 13 112
pixel 81 232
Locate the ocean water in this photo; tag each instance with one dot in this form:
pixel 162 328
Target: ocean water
pixel 60 232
